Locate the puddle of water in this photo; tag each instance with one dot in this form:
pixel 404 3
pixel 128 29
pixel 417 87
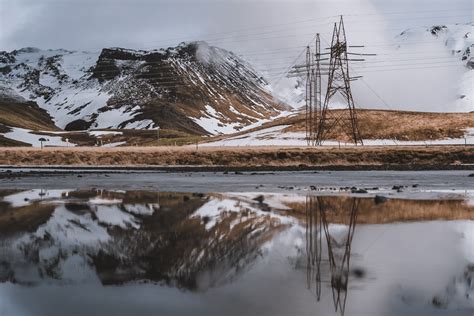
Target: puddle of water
pixel 101 252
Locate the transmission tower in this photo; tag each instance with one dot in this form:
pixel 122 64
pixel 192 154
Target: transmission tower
pixel 309 98
pixel 319 121
pixel 317 89
pixel 312 71
pixel 339 82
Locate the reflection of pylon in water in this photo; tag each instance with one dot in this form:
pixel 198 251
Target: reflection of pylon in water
pixel 317 211
pixel 313 246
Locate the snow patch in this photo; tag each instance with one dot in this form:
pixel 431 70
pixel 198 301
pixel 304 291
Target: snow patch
pixel 29 137
pixel 275 136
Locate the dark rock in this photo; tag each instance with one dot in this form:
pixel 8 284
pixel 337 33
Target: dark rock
pixel 259 199
pixel 437 28
pixel 78 125
pixel 471 175
pixel 7 58
pixel 378 199
pixel 359 191
pixel 5 70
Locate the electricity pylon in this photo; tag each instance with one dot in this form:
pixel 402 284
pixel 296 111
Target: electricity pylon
pixel 339 82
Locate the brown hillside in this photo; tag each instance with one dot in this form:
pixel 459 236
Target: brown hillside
pixel 25 114
pixel 385 124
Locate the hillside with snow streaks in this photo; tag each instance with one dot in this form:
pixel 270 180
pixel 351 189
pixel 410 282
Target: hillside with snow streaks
pixel 195 88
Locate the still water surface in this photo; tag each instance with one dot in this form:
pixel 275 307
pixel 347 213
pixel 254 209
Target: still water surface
pixel 105 252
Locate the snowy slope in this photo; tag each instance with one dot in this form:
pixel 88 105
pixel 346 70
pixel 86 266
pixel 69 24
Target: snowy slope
pixel 194 87
pixel 458 41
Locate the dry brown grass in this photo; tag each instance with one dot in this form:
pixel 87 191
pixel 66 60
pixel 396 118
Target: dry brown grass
pixel 25 115
pixel 399 125
pixel 238 156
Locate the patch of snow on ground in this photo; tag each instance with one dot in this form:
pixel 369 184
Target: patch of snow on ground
pixel 215 126
pixel 101 133
pixel 29 137
pixel 76 64
pixel 274 136
pixel 116 144
pixel 114 117
pixel 143 124
pixel 466 92
pixel 88 100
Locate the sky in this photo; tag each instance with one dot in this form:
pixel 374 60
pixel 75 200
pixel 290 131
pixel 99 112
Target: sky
pixel 268 33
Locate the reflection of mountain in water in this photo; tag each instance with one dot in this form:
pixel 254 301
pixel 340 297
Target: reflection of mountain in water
pixel 190 241
pixel 71 242
pixel 338 242
pixel 186 240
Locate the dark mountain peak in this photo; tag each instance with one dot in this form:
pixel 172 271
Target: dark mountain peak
pixel 7 58
pixel 26 50
pixel 435 30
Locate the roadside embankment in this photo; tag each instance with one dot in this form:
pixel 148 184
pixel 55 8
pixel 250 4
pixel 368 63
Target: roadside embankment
pixel 264 158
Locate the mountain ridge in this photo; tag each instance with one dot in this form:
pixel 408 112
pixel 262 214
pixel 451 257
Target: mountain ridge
pixel 204 89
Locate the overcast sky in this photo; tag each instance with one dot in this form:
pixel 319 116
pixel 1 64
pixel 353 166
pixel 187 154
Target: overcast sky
pixel 94 24
pixel 269 33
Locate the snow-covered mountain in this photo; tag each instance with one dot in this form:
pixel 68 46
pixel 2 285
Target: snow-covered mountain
pixel 458 41
pixel 193 87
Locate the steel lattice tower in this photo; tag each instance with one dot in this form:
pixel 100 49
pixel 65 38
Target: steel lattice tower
pixel 317 89
pixel 339 82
